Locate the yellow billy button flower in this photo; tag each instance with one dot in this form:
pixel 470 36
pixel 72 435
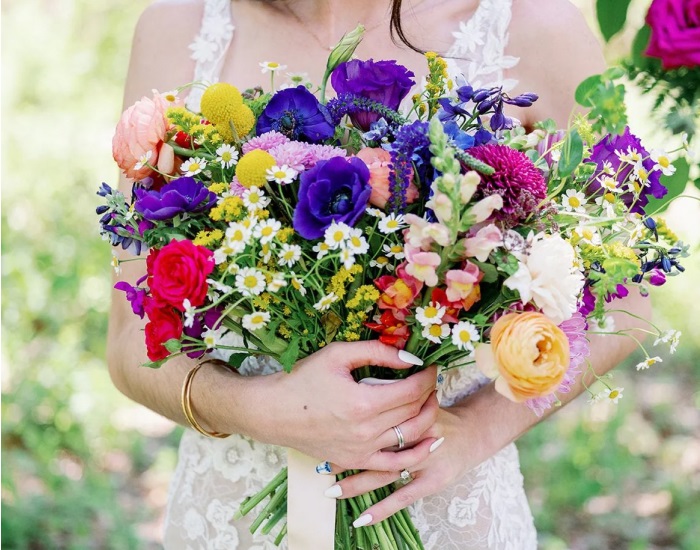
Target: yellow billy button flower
pixel 251 170
pixel 219 101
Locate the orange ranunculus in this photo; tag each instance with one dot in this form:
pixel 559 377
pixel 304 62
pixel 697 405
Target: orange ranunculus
pixel 378 161
pixel 141 129
pixel 528 353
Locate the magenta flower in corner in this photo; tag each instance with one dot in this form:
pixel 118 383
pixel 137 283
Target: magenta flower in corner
pixel 675 32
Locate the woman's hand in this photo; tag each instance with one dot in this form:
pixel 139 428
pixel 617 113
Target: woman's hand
pixel 320 410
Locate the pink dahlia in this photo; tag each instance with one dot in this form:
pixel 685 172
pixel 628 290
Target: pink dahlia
pixel 516 179
pixel 575 330
pixel 265 141
pixel 294 154
pixel 325 152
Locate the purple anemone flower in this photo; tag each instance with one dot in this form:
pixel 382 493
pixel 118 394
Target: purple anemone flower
pixel 385 82
pixel 335 190
pixel 180 195
pixel 297 114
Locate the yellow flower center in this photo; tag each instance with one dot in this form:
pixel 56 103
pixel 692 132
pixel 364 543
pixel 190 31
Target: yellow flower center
pixel 643 174
pixel 609 197
pixel 574 202
pixel 664 162
pixel 356 241
pixel 382 260
pixel 435 330
pixel 266 231
pixel 465 337
pixel 226 156
pixel 273 65
pixel 338 236
pixel 288 255
pixel 238 236
pixel 251 281
pixel 614 394
pixel 253 198
pixel 280 174
pixel 392 224
pixel 430 312
pixel 193 167
pixel 257 319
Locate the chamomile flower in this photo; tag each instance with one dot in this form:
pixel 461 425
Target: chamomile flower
pixel 256 320
pixel 336 235
pixel 227 155
pixel 237 236
pixel 670 336
pixel 216 287
pixel 281 174
pixel 250 281
pixel 213 336
pixel 325 303
pixel 588 234
pixel 298 285
pixel 640 174
pixel 321 249
pixel 357 244
pixel 170 96
pixel 278 282
pixel 631 156
pixel 574 201
pixel 299 78
pixel 431 314
pixel 382 262
pixel 254 199
pixel 391 223
pixel 436 333
pixel 609 184
pixel 289 254
pixel 649 362
pixel 608 169
pixel 394 251
pixel 193 166
pixel 614 394
pixel 464 334
pixel 596 398
pixel 347 257
pixel 266 230
pixel 271 67
pixel 115 264
pixel 663 163
pixel 266 251
pixel 143 160
pixel 189 312
pixel 375 213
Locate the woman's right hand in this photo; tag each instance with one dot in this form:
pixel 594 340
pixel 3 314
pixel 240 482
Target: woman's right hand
pixel 321 411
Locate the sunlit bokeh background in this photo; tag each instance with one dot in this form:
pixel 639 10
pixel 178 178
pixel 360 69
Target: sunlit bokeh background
pixel 83 467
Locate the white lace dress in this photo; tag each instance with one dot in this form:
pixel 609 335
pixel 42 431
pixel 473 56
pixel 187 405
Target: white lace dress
pixel 486 509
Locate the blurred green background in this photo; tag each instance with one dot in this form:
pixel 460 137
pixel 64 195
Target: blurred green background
pixel 82 467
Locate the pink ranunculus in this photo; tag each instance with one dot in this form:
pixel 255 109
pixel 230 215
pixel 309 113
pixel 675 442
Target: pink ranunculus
pixel 675 32
pixel 422 265
pixel 142 128
pixel 483 243
pixel 378 161
pixel 461 282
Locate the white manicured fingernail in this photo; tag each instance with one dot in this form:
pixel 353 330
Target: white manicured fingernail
pixel 436 444
pixel 334 491
pixel 362 521
pixel 410 358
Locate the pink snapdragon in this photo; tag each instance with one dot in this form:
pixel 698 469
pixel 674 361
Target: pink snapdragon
pixel 422 265
pixel 483 243
pixel 483 209
pixel 441 204
pixel 461 282
pixel 421 233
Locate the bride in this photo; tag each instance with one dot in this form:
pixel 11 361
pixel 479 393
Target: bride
pixel 468 492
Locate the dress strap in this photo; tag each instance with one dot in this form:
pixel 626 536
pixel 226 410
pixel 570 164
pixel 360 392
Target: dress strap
pixel 480 43
pixel 210 46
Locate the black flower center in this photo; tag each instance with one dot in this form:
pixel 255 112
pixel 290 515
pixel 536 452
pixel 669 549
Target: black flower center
pixel 341 203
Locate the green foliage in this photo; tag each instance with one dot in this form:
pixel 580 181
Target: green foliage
pixel 612 15
pixel 675 184
pixel 605 100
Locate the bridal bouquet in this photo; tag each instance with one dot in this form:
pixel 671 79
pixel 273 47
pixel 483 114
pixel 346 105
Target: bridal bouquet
pixel 278 222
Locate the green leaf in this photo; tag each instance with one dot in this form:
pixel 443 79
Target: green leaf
pixel 173 345
pixel 154 364
pixel 675 184
pixel 612 15
pixel 697 183
pixel 489 270
pixel 639 46
pixel 290 355
pixel 586 89
pixel 236 360
pixel 571 153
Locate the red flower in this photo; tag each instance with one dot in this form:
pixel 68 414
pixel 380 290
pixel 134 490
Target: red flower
pixel 398 293
pixel 393 331
pixel 179 271
pixel 164 324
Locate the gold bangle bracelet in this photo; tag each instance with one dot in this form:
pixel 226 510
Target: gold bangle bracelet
pixel 187 403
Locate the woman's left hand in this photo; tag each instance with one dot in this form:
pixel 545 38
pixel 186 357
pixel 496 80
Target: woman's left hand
pixel 456 451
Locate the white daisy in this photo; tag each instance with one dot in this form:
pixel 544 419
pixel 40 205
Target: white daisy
pixel 431 314
pixel 382 262
pixel 347 257
pixel 212 336
pixel 357 244
pixel 170 96
pixel 281 174
pixel 227 155
pixel 299 78
pixel 256 320
pixel 325 303
pixel 219 287
pixel 298 285
pixel 670 336
pixel 614 394
pixel 588 234
pixel 608 168
pixel 375 213
pixel 266 251
pixel 189 312
pixel 641 174
pixel 321 249
pixel 649 362
pixel 596 397
pixel 391 223
pixel 254 199
pixel 143 160
pixel 116 264
pixel 193 166
pixel 289 254
pixel 394 251
pixel 336 235
pixel 237 236
pixel 251 220
pixel 250 282
pixel 574 201
pixel 609 184
pixel 436 333
pixel 266 230
pixel 271 67
pixel 663 163
pixel 278 281
pixel 463 334
pixel 631 156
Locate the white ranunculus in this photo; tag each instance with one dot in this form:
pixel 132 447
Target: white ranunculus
pixel 547 277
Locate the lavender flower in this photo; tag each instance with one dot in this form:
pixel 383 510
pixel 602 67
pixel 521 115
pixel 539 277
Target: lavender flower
pixel 412 141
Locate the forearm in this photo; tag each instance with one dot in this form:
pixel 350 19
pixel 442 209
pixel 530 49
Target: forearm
pixel 501 421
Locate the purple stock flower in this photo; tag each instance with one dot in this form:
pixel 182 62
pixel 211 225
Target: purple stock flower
pixel 297 114
pixel 180 195
pixel 335 190
pixel 385 82
pixel 606 150
pixel 135 295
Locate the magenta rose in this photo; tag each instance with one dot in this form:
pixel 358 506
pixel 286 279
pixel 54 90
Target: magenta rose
pixel 179 271
pixel 164 323
pixel 675 32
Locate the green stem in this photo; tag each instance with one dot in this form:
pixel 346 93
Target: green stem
pixel 251 502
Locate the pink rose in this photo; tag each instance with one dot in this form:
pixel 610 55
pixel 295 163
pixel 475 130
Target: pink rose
pixel 675 32
pixel 179 271
pixel 140 131
pixel 378 161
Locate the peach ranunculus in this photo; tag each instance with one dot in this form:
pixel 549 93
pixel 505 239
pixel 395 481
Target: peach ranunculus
pixel 378 161
pixel 528 353
pixel 141 129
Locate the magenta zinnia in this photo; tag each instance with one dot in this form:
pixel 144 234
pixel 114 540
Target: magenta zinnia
pixel 516 179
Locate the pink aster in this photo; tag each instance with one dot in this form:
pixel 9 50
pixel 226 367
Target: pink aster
pixel 294 154
pixel 236 188
pixel 579 350
pixel 265 141
pixel 516 179
pixel 325 152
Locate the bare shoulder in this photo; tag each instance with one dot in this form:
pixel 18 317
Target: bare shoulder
pixel 160 55
pixel 557 50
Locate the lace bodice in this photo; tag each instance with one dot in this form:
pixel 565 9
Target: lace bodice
pixel 487 509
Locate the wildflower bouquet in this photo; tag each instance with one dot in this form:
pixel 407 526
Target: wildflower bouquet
pixel 278 222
